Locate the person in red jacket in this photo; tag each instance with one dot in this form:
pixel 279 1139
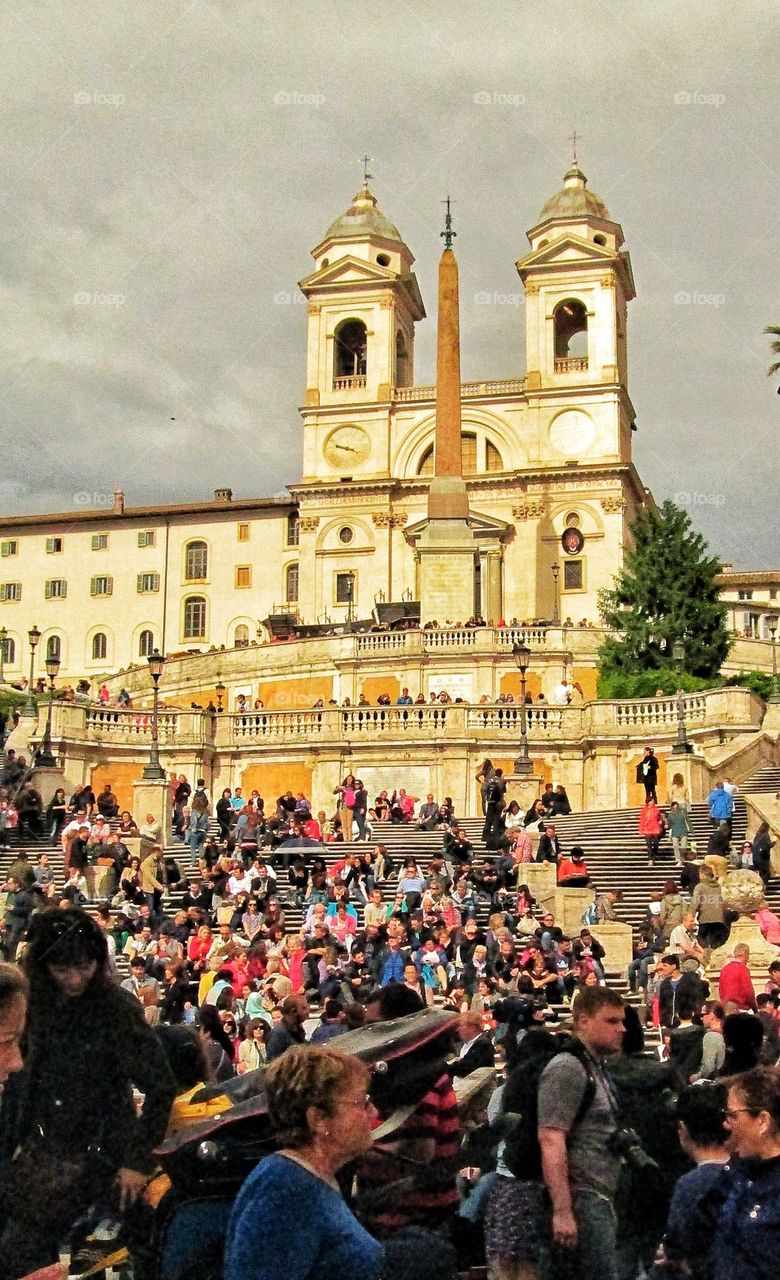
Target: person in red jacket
pixel 735 985
pixel 572 870
pixel 652 825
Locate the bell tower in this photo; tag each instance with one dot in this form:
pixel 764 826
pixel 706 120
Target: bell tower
pixel 364 303
pixel 578 283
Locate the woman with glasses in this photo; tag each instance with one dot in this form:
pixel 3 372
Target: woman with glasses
pixel 77 1137
pixel 747 1240
pixel 290 1218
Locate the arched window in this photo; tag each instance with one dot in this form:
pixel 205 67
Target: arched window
pixel 195 618
pixel 145 644
pixel 349 354
pixel 293 529
pixel 493 459
pixel 197 561
pixel 9 650
pixel 571 331
pixel 468 457
pixel 99 646
pixel 402 362
pixel 241 636
pixel 54 648
pixel 291 584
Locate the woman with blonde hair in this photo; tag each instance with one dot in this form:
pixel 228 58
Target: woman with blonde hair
pixel 290 1218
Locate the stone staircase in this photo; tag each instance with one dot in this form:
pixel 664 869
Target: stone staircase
pixel 614 852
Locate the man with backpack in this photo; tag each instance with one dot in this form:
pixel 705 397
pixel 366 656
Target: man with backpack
pixel 578 1132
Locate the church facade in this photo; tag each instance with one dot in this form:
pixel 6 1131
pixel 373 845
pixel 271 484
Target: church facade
pixel 546 459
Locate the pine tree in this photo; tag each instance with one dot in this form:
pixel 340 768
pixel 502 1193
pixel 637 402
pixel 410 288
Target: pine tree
pixel 666 591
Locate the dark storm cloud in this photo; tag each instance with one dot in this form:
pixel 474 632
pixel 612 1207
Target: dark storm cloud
pixel 166 169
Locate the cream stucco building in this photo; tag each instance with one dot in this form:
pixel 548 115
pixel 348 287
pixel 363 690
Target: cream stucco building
pixel 546 456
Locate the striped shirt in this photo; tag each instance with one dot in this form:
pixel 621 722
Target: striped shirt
pixel 435 1195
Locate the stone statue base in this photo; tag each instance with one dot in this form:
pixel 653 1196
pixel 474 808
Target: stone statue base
pixel 762 953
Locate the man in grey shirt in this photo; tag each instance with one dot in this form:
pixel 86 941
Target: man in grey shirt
pixel 713 1046
pixel 579 1164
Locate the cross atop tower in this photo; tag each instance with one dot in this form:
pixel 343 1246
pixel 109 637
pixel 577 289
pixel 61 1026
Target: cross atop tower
pixel 365 161
pixel 448 234
pixel 573 141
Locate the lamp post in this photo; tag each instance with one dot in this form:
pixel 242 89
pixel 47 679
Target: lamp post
pixel 556 618
pixel 33 635
pixel 219 689
pixel 682 746
pixel 522 656
pixel 772 629
pixel 46 756
pixel 154 771
pixel 3 638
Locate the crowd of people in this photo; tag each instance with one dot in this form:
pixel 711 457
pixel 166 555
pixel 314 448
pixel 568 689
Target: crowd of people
pixel 129 951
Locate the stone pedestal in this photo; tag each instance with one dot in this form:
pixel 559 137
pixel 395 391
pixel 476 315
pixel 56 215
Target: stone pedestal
pixel 762 953
pixel 695 773
pixel 570 907
pixel 155 798
pixel 48 780
pixel 525 788
pixel 615 938
pixel 540 878
pixel 446 553
pixel 19 738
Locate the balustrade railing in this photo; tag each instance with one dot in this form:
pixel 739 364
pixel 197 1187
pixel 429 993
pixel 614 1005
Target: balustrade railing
pixel 277 725
pixel 458 638
pixel 660 711
pixel 491 387
pixel 426 720
pixel 508 719
pixel 382 642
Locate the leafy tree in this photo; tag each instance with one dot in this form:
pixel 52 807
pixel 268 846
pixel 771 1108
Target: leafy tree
pixel 666 591
pixel 775 365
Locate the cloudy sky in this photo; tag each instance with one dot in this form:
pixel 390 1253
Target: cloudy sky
pixel 168 164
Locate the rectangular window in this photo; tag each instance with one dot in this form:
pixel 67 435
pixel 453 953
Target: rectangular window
pixel 293 529
pixel 573 575
pixel 101 586
pixel 55 589
pixel 100 542
pixel 10 591
pixel 242 532
pixel 243 575
pixel 345 588
pixel 147 538
pixel 53 546
pixel 148 582
pixel 9 548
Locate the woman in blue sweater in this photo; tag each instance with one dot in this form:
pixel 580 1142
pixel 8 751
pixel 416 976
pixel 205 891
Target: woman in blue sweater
pixel 290 1218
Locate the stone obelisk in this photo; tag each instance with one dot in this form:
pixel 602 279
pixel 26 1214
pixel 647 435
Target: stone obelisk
pixel 446 545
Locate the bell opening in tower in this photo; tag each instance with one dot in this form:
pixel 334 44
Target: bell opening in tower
pixel 349 357
pixel 571 335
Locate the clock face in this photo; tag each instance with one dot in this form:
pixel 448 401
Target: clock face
pixel 347 447
pixel 572 541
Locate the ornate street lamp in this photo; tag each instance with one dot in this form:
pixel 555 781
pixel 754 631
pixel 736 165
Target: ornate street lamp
pixel 33 635
pixel 3 638
pixel 772 629
pixel 682 746
pixel 219 689
pixel 154 771
pixel 46 756
pixel 556 618
pixel 522 656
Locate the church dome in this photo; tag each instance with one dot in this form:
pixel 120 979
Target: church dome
pixel 362 218
pixel 574 200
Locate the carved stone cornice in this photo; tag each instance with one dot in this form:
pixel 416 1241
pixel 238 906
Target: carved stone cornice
pixel 529 511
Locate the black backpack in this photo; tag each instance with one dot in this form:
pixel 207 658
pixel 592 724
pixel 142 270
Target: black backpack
pixel 520 1106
